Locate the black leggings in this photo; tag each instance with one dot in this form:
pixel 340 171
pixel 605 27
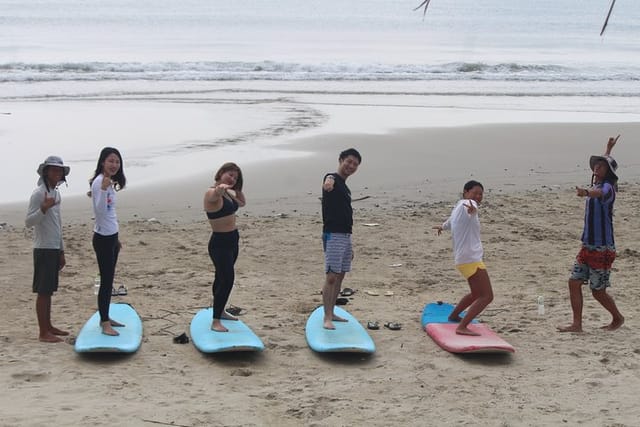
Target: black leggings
pixel 107 249
pixel 223 250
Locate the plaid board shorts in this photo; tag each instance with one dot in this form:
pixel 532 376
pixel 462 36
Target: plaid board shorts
pixel 338 252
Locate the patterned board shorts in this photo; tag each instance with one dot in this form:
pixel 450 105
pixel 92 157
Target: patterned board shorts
pixel 593 265
pixel 338 252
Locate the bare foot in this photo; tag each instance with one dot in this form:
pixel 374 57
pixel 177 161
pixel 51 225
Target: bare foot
pixel 456 319
pixel 108 330
pixel 339 319
pixel 116 324
pixel 227 316
pixel 328 324
pixel 56 331
pixel 466 331
pixel 49 337
pixel 570 328
pixel 615 324
pixel 217 326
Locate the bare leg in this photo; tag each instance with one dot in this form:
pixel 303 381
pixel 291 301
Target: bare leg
pixel 217 326
pixel 330 293
pixel 107 329
pixel 610 305
pixel 575 296
pixel 465 302
pixel 43 312
pixel 482 295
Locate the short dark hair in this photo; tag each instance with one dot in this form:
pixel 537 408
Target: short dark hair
pixel 350 152
pixel 470 184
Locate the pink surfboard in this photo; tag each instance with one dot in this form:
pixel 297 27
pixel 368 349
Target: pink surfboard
pixel 444 334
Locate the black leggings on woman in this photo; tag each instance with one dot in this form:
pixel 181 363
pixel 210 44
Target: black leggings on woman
pixel 223 250
pixel 107 249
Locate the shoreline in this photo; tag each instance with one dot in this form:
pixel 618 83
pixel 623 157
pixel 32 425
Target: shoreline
pixel 407 165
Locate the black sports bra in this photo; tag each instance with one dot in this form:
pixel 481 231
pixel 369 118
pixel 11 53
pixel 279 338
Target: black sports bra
pixel 229 206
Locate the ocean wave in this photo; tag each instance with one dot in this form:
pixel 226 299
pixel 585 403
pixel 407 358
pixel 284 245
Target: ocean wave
pixel 284 71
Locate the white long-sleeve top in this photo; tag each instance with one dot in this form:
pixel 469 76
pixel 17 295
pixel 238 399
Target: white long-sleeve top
pixel 465 232
pixel 104 208
pixel 47 226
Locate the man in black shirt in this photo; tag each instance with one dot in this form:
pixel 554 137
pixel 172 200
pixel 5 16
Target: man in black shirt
pixel 337 220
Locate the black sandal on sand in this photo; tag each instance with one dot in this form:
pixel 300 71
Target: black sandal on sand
pixel 373 325
pixel 234 311
pixel 347 292
pixel 181 339
pixel 341 301
pixel 393 326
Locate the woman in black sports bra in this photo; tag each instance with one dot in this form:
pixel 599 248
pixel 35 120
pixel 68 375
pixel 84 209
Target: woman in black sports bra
pixel 220 204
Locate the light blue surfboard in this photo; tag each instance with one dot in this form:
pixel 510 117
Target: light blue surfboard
pixel 438 312
pixel 347 337
pixel 91 339
pixel 239 338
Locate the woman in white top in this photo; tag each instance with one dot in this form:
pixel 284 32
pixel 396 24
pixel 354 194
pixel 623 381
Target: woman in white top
pixel 467 248
pixel 108 178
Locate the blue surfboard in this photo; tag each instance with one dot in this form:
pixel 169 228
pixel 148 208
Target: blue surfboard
pixel 347 337
pixel 239 338
pixel 438 312
pixel 90 339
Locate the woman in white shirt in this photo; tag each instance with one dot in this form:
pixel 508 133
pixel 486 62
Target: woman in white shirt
pixel 467 248
pixel 108 178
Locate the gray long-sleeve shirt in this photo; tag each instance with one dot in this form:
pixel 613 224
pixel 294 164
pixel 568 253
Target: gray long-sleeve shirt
pixel 48 226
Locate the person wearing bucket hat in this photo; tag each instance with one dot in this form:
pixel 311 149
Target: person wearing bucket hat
pixel 593 262
pixel 108 178
pixel 43 214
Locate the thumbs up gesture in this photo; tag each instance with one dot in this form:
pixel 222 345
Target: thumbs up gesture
pixel 47 203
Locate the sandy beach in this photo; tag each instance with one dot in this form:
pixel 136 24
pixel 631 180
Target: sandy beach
pixel 531 225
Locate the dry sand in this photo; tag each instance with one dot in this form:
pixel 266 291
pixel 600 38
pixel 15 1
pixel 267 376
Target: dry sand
pixel 531 224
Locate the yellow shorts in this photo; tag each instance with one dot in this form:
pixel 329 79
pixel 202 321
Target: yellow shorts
pixel 470 269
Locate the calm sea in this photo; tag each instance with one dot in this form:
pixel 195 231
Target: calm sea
pixel 249 60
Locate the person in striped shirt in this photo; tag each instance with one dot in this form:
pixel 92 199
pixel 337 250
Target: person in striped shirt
pixel 598 251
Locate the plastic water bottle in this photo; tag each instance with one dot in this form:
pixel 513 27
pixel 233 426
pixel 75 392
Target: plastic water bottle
pixel 96 285
pixel 540 305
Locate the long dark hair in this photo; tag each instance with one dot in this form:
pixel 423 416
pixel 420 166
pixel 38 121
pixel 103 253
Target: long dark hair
pixel 119 178
pixel 230 166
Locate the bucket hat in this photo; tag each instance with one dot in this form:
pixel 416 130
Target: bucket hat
pixel 53 161
pixel 613 165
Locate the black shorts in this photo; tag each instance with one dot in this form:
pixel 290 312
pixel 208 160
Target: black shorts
pixel 46 266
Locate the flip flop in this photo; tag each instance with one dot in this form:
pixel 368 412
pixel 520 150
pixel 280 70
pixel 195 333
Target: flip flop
pixel 122 290
pixel 347 292
pixel 373 325
pixel 114 292
pixel 341 301
pixel 393 326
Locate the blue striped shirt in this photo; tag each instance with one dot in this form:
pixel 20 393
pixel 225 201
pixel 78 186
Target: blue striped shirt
pixel 598 217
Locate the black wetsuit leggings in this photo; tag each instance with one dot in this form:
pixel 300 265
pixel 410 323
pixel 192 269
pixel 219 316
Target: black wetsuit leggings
pixel 107 249
pixel 223 250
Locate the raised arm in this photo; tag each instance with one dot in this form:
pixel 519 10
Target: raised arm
pixel 610 144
